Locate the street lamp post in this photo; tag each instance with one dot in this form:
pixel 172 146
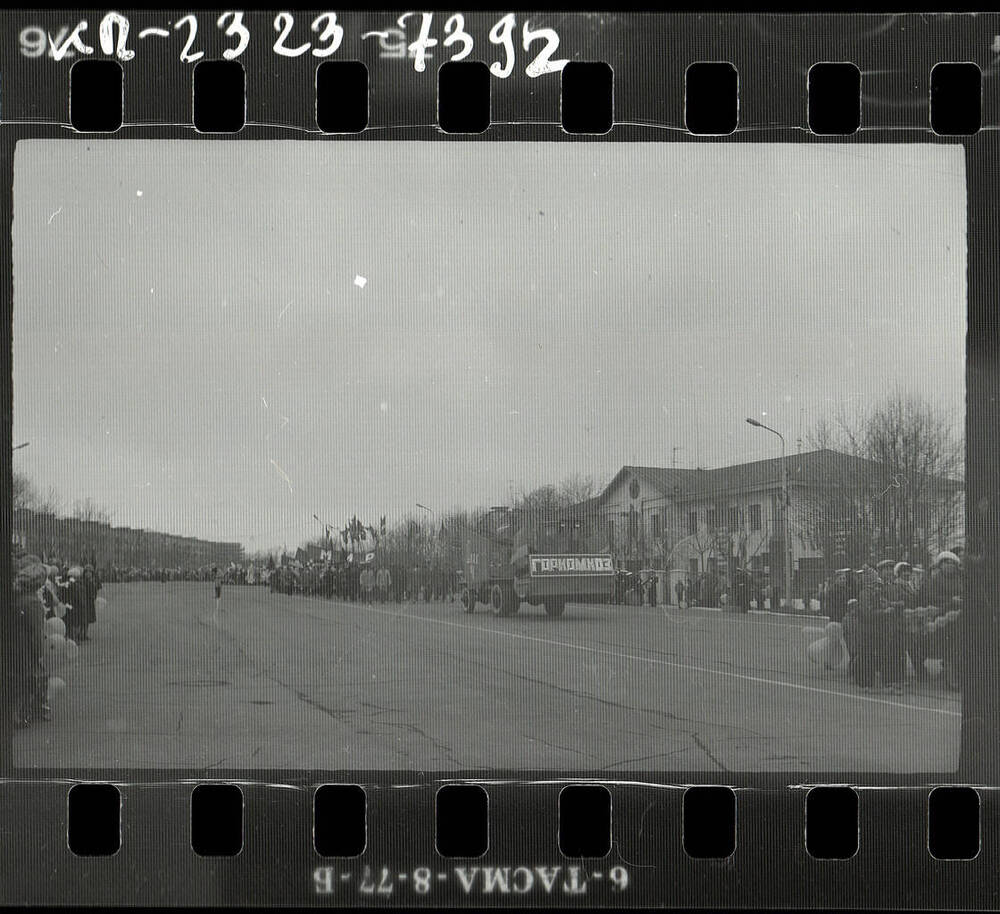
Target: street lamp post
pixel 785 534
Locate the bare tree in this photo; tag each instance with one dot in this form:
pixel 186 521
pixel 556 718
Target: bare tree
pixel 902 494
pixel 573 490
pixel 23 493
pixel 49 501
pixel 26 495
pixel 576 488
pixel 542 498
pixel 88 510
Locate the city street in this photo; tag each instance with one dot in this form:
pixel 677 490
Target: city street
pixel 303 682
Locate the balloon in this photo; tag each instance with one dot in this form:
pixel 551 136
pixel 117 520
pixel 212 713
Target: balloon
pixel 56 685
pixel 828 652
pixel 812 632
pixel 100 603
pixel 55 626
pixel 60 610
pixel 53 652
pixel 71 650
pixel 952 615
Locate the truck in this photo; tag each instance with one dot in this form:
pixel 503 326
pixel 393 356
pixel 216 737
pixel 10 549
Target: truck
pixel 512 557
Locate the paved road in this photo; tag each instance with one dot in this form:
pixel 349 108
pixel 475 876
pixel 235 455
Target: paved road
pixel 298 682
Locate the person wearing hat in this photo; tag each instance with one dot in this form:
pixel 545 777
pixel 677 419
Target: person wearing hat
pixel 944 586
pixel 906 588
pixel 836 595
pixel 872 627
pixel 75 600
pixel 890 633
pixel 861 627
pixel 26 674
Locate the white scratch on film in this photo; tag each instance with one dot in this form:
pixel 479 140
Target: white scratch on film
pixel 56 213
pixel 282 474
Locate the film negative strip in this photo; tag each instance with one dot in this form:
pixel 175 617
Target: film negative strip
pixel 500 458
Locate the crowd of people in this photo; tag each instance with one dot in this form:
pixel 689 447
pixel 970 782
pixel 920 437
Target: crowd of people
pixel 53 608
pixel 891 611
pixel 382 581
pixel 247 573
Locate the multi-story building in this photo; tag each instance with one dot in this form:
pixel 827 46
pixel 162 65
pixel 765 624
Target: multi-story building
pixel 694 521
pixel 74 540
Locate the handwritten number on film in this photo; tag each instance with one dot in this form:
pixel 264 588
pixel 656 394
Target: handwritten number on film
pixel 394 45
pixel 114 31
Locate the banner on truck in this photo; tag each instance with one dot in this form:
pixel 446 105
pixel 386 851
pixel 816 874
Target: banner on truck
pixel 543 565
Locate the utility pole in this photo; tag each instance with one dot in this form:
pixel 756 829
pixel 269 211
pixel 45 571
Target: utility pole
pixel 786 534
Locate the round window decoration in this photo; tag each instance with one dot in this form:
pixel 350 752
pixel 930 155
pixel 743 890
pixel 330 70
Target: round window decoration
pixel 633 488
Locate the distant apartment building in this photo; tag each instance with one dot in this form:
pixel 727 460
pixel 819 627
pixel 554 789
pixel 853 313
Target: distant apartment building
pixel 72 540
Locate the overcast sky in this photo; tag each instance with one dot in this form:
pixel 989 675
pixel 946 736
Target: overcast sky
pixel 191 349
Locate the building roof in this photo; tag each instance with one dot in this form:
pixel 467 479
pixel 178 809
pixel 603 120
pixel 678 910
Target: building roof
pixel 816 469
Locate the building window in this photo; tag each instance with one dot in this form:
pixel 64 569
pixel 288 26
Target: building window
pixel 692 523
pixel 611 532
pixel 735 518
pixel 710 519
pixel 656 525
pixel 754 517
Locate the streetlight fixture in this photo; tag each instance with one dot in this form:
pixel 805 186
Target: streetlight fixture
pixel 431 510
pixel 18 447
pixel 786 536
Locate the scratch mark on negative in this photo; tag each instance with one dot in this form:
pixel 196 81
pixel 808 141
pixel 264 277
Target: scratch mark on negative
pixel 707 751
pixel 282 474
pixel 280 316
pixel 56 213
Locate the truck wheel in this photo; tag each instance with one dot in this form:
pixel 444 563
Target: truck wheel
pixel 503 600
pixel 555 608
pixel 468 600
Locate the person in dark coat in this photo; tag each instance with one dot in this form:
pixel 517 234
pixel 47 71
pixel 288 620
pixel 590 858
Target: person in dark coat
pixel 944 584
pixel 892 637
pixel 863 622
pixel 28 631
pixel 76 598
pixel 89 602
pixel 837 595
